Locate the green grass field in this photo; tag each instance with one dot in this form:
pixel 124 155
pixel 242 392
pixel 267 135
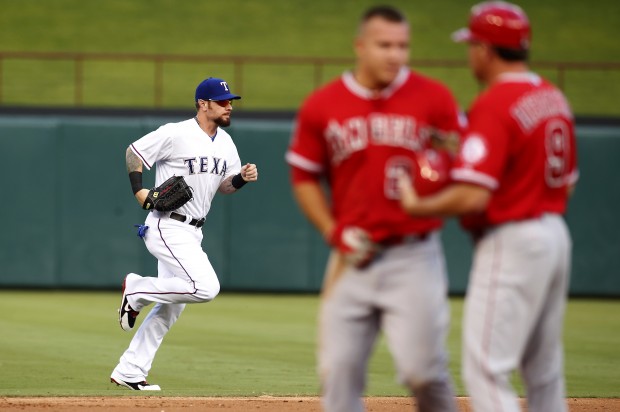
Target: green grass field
pixel 67 343
pixel 564 30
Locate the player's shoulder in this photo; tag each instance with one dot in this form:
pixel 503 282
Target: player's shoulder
pixel 489 103
pixel 511 87
pixel 177 126
pixel 183 124
pixel 420 81
pixel 173 130
pixel 430 90
pixel 516 83
pixel 319 104
pixel 334 87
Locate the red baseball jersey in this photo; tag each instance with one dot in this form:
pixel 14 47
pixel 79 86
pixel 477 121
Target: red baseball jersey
pixel 360 140
pixel 520 143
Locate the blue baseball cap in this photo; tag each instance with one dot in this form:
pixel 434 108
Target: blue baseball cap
pixel 214 89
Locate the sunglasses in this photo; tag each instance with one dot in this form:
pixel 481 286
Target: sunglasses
pixel 222 103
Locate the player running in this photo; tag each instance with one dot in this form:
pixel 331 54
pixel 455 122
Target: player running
pixel 205 155
pixel 513 177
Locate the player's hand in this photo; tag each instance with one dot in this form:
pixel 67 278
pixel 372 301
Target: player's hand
pixel 409 198
pixel 249 172
pixel 448 141
pixel 141 196
pixel 355 245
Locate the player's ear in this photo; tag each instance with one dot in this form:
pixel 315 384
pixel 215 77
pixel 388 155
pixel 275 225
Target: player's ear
pixel 201 105
pixel 358 44
pixel 488 50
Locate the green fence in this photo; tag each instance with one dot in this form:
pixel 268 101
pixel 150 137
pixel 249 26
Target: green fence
pixel 69 213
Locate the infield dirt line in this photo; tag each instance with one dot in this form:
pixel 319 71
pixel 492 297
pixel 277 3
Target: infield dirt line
pixel 157 403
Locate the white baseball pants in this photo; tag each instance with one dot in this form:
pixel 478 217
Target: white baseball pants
pixel 514 312
pixel 185 275
pixel 404 294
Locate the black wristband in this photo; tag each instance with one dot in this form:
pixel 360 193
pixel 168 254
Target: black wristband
pixel 237 181
pixel 136 181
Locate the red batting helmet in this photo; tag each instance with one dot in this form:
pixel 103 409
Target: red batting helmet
pixel 497 23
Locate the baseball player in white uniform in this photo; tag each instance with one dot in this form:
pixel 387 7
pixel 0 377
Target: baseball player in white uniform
pixel 205 155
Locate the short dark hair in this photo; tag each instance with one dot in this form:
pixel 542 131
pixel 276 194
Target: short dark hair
pixel 388 13
pixel 512 55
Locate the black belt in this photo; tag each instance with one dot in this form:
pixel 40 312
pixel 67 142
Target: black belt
pixel 402 239
pixel 183 218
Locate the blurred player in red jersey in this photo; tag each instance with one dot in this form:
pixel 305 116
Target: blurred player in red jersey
pixel 512 179
pixel 386 271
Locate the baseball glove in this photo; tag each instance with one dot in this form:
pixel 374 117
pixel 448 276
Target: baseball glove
pixel 170 195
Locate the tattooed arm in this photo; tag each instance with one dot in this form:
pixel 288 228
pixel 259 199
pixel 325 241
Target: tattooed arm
pixel 134 168
pixel 226 186
pixel 133 162
pixel 249 173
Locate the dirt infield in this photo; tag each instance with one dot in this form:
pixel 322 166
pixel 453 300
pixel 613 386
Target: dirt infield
pixel 262 403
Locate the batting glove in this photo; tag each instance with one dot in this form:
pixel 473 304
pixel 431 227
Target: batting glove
pixel 355 244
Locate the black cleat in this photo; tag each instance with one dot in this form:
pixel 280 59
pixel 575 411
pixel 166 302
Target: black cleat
pixel 135 386
pixel 126 315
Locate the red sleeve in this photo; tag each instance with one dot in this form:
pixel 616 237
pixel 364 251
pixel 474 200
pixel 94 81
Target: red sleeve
pixel 483 152
pixel 299 176
pixel 447 116
pixel 307 150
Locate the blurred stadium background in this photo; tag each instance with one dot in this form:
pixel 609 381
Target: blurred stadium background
pixel 66 53
pixel 79 81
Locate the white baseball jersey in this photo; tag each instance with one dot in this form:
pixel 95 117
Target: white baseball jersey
pixel 185 274
pixel 184 149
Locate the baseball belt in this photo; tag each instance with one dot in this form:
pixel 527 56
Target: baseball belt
pixel 182 218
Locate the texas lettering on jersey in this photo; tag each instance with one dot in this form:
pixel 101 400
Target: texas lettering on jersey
pixel 183 149
pixel 202 164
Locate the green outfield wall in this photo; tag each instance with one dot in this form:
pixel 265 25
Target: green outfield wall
pixel 68 211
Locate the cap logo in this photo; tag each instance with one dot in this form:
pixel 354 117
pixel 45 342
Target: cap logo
pixel 214 89
pixel 495 20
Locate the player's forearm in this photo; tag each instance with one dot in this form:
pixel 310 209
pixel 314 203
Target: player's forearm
pixel 457 199
pixel 233 183
pixel 226 187
pixel 313 203
pixel 248 173
pixel 134 168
